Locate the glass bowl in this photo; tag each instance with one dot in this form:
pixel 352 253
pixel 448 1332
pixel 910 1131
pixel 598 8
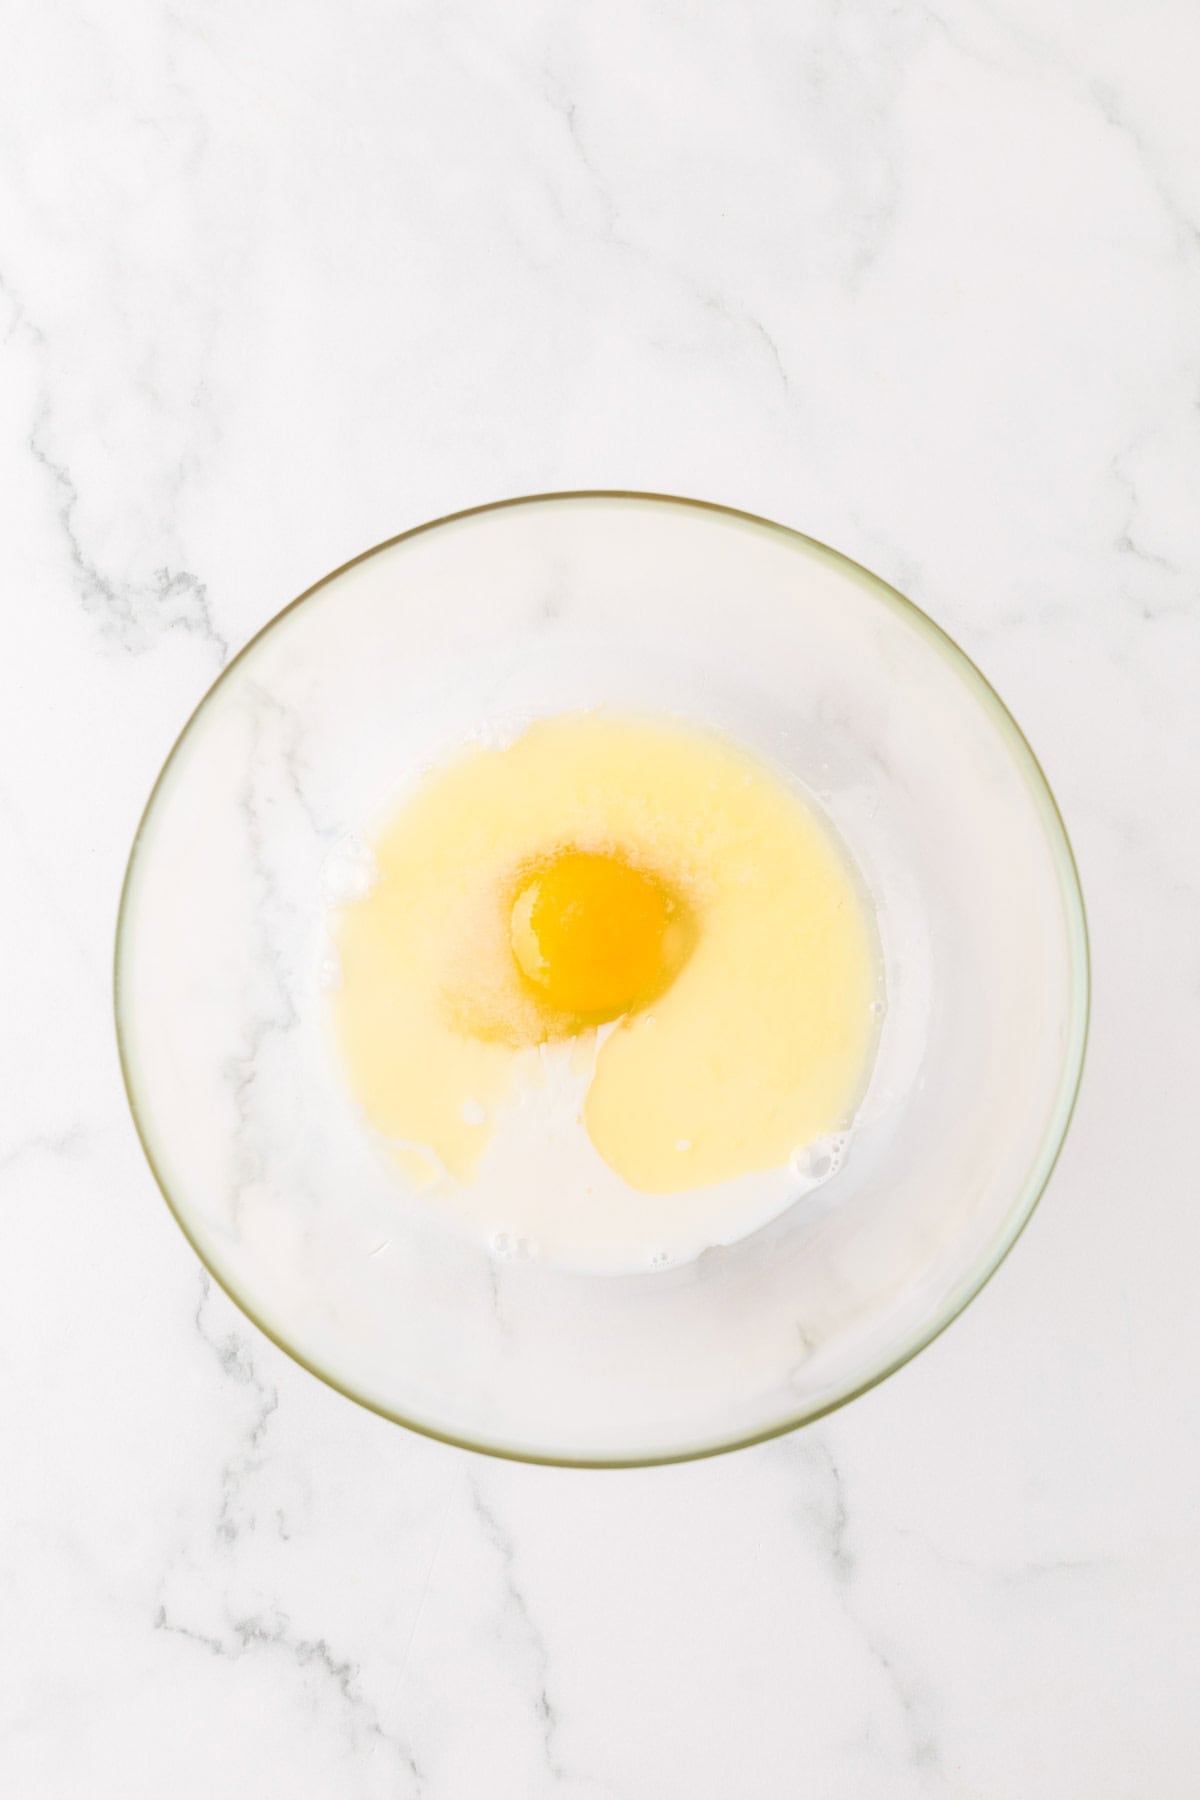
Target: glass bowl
pixel 479 623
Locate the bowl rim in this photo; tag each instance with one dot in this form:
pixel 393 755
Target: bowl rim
pixel 1070 1077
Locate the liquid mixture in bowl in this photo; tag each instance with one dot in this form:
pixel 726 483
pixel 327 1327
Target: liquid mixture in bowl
pixel 626 938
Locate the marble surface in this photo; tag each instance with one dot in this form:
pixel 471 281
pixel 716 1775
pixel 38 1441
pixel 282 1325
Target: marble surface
pixel 278 281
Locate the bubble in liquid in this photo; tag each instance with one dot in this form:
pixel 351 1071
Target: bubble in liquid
pixel 519 1249
pixel 683 1143
pixel 815 1163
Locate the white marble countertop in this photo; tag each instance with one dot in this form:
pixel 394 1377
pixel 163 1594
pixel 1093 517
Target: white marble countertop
pixel 278 281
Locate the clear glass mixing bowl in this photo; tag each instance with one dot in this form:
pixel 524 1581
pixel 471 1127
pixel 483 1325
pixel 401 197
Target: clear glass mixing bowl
pixel 483 622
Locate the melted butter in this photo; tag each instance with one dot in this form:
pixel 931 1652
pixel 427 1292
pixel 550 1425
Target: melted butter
pixel 602 867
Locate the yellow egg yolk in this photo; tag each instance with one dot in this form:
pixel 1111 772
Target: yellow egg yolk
pixel 593 935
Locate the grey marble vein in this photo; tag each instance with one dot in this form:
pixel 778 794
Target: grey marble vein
pixel 332 1676
pixel 525 1630
pixel 825 1507
pixel 68 1141
pixel 1186 230
pixel 133 616
pixel 235 1357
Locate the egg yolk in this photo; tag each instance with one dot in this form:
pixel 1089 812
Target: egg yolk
pixel 593 935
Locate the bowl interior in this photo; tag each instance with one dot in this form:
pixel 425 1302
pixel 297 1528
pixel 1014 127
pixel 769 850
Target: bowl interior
pixel 476 626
